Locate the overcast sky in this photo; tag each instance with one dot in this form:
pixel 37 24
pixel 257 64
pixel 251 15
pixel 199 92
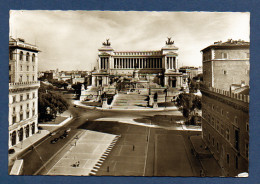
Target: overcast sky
pixel 69 40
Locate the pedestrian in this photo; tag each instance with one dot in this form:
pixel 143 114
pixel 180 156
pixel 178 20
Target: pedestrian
pixel 133 147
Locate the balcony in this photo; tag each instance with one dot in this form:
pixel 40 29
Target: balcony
pixel 16 85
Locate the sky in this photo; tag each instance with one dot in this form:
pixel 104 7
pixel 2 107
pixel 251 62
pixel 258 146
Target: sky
pixel 69 40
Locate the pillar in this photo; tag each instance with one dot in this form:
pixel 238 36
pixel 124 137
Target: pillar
pixel 166 81
pixel 94 81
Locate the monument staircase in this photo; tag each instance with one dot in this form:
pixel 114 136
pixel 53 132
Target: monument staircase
pixel 130 101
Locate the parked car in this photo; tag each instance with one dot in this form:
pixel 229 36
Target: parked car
pixel 63 136
pixel 54 140
pixel 53 133
pixel 68 130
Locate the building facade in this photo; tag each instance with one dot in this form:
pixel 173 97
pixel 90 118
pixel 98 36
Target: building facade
pixel 23 90
pixel 225 109
pixel 160 66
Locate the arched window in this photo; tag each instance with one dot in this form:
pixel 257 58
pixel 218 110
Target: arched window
pixel 27 131
pixel 27 56
pixel 21 55
pixel 33 58
pixel 13 137
pixel 20 134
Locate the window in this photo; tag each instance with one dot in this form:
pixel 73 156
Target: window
pixel 33 68
pixel 33 95
pixel 21 56
pixel 235 120
pixel 14 119
pixel 33 104
pixel 222 112
pixel 27 78
pixel 227 134
pixel 27 68
pixel 27 115
pixel 21 68
pixel 21 107
pixel 21 78
pixel 21 116
pixel 28 96
pixel 33 112
pixel 21 97
pixel 217 125
pixel 224 72
pixel 33 78
pixel 33 58
pixel 14 99
pixel 10 67
pixel 247 126
pixel 213 141
pixel 213 122
pixel 13 110
pixel 27 56
pixel 27 106
pixel 224 55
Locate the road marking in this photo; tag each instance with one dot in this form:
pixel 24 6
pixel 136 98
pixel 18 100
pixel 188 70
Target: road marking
pixel 147 149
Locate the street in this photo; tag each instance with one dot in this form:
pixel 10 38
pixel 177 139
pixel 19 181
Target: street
pixel 151 143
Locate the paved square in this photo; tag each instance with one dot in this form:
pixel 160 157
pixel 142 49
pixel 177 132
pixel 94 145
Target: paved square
pixel 83 155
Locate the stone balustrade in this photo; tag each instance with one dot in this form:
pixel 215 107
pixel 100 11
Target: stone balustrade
pixel 241 97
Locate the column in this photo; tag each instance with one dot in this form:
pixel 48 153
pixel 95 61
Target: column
pixel 166 81
pixel 174 63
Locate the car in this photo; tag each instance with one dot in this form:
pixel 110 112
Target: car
pixel 54 140
pixel 68 130
pixel 53 133
pixel 62 137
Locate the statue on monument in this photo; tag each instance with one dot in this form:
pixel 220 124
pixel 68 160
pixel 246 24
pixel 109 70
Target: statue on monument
pixel 169 42
pixel 107 43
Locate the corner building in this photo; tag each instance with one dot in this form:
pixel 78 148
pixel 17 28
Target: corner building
pixel 159 65
pixel 225 104
pixel 23 90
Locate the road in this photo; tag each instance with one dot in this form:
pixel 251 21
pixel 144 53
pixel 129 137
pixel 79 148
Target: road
pixel 136 153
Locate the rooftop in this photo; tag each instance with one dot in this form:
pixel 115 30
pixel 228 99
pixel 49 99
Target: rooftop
pixel 229 43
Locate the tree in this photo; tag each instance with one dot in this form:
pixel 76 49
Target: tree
pixel 77 88
pixel 50 103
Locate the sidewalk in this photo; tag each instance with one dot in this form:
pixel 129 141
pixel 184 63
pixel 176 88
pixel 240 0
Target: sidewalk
pixel 78 103
pixel 209 164
pixel 20 147
pixel 84 155
pixel 52 127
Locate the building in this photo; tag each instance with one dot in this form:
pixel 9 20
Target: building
pixel 23 90
pixel 158 66
pixel 225 104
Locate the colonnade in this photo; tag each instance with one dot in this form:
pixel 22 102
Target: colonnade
pixel 140 63
pixel 104 62
pixel 171 63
